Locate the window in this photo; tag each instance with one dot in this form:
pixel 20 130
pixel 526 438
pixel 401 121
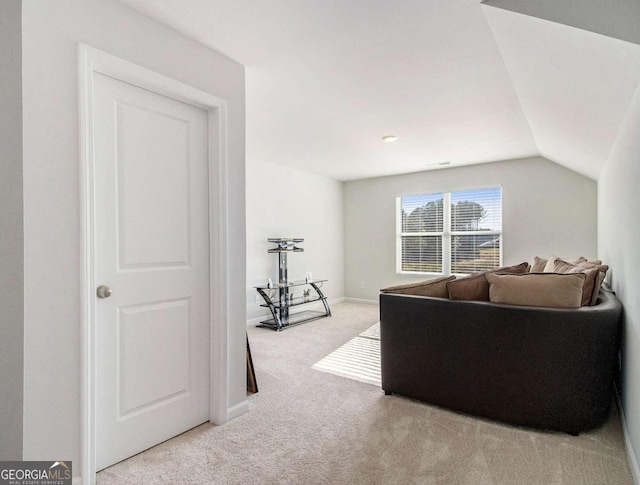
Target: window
pixel 450 232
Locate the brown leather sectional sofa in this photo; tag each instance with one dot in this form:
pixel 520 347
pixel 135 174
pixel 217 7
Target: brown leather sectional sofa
pixel 530 366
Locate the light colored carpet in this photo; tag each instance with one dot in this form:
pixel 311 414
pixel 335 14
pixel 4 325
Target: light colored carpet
pixel 358 359
pixel 310 427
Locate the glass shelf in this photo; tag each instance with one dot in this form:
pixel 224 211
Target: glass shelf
pixel 293 319
pixel 294 302
pixel 289 284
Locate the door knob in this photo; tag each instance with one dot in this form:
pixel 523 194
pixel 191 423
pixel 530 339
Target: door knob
pixel 103 291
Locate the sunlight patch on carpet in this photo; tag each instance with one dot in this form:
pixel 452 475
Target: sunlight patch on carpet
pixel 358 359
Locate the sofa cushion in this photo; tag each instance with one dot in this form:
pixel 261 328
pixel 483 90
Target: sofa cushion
pixel 601 276
pixel 548 266
pixel 475 287
pixel 515 269
pixel 434 287
pixel 540 263
pixel 596 290
pixel 541 290
pixel 594 264
pixel 592 280
pixel 560 266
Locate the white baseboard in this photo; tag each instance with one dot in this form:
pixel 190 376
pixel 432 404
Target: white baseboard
pixel 254 322
pixel 633 461
pixel 237 410
pixel 360 300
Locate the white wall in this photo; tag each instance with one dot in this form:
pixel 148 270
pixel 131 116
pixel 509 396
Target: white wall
pixel 11 234
pixel 547 209
pixel 283 202
pixel 618 238
pixel 51 32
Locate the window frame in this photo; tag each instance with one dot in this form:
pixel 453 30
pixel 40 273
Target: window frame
pixel 447 234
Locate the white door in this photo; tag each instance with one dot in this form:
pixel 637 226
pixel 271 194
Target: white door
pixel 152 251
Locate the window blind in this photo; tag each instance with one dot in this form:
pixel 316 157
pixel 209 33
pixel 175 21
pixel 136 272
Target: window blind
pixel 452 232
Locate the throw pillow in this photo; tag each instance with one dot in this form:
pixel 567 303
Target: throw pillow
pixel 434 287
pixel 475 287
pixel 601 276
pixel 595 275
pixel 594 264
pixel 538 264
pixel 515 269
pixel 596 290
pixel 539 290
pixel 547 264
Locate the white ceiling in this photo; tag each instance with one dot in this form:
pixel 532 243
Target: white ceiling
pixel 327 79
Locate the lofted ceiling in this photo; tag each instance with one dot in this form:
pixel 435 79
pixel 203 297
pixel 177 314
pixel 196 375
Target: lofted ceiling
pixel 456 80
pixel 574 86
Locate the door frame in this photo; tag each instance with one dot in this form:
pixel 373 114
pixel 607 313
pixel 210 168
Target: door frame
pixel 91 61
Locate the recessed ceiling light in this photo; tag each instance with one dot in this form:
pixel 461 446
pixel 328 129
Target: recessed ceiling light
pixel 437 163
pixel 389 138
